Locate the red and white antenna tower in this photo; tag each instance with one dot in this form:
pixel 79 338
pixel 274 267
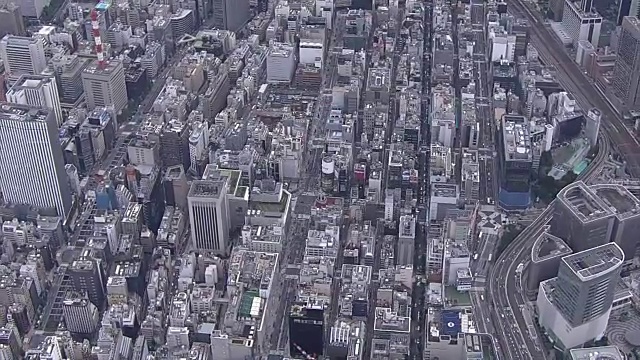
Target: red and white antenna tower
pixel 95 30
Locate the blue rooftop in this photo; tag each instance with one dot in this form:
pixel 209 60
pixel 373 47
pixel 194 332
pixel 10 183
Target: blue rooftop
pixel 103 6
pixel 514 200
pixel 451 323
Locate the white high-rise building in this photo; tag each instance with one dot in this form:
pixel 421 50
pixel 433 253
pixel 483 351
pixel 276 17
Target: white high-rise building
pixel 37 90
pixel 80 315
pixel 209 215
pixel 281 63
pixel 31 161
pixel 22 55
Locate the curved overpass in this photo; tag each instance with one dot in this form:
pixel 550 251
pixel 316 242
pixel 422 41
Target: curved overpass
pixel 516 339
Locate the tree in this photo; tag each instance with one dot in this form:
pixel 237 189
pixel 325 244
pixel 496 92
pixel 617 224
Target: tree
pixel 510 233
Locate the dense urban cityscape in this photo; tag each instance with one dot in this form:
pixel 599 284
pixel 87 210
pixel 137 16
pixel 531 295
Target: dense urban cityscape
pixel 320 179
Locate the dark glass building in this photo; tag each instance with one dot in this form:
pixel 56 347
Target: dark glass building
pixel 306 330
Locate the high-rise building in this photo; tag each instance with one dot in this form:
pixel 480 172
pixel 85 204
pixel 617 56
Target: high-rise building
pixel 31 160
pixel 589 216
pixel 22 55
pixel 592 126
pixel 306 330
pixel 80 315
pixel 627 8
pixel 105 86
pixel 11 20
pixel 574 307
pixel 281 63
pixel 176 188
pixel 32 8
pixel 406 239
pixel 626 71
pixel 580 218
pixel 230 14
pixel 580 24
pixel 209 215
pixel 87 275
pixel 39 91
pixel 68 72
pixel 516 162
pixel 546 253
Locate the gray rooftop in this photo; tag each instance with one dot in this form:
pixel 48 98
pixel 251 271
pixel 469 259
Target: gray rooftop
pixel 595 261
pixel 517 143
pixel 583 202
pixel 547 246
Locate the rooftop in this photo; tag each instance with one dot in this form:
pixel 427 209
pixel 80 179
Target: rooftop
pixel 249 283
pixel 206 188
pixel 517 144
pixel 17 112
pixel 595 261
pixel 583 202
pixel 618 198
pixel 547 246
pixel 387 320
pixel 597 353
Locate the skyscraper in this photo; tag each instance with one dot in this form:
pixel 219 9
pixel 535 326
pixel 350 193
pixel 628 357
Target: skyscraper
pixel 589 216
pixel 88 276
pixel 40 91
pixel 230 14
pixel 11 20
pixel 22 55
pixel 209 215
pixel 574 307
pixel 516 161
pixel 627 8
pixel 105 86
pixel 580 218
pixel 306 330
pixel 80 315
pixel 31 161
pixel 626 71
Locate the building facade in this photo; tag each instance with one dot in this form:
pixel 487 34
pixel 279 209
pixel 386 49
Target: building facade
pixel 31 160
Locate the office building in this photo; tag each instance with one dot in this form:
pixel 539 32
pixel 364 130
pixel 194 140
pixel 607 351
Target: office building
pixel 105 86
pixel 32 8
pixel 68 72
pixel 183 22
pixel 626 209
pixel 87 275
pixel 516 162
pixel 80 315
pixel 580 218
pixel 627 8
pixel 176 187
pixel 230 14
pixel 589 216
pixel 580 24
pixel 574 307
pixel 546 253
pixel 11 22
pixel 281 63
pixel 626 71
pixel 22 55
pixel 209 215
pixel 592 126
pixel 306 330
pixel 31 161
pixel 39 91
pixel 406 239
